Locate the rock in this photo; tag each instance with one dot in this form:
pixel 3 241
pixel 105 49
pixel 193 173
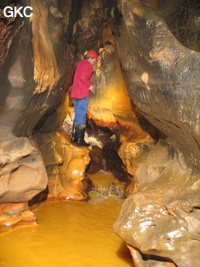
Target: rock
pixel 87 29
pixel 166 97
pixel 13 213
pixel 96 162
pixel 104 185
pixel 32 72
pixel 22 170
pixel 110 106
pixel 143 261
pixel 132 153
pixel 183 21
pixel 65 165
pixel 162 219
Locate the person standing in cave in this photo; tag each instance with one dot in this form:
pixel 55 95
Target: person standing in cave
pixel 81 88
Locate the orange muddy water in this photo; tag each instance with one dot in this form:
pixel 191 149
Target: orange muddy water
pixel 71 234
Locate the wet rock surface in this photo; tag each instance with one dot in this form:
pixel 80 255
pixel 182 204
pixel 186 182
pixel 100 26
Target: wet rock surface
pixel 12 214
pixel 23 174
pixel 104 184
pixel 143 260
pixel 65 165
pixel 32 73
pixel 162 219
pixel 162 76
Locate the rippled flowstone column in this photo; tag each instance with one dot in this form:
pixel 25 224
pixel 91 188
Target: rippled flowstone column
pixel 65 165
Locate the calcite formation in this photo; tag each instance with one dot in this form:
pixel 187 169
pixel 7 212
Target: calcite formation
pixel 22 170
pixel 162 77
pixel 161 220
pixel 142 260
pixel 110 106
pixel 65 165
pixel 46 69
pixel 32 73
pixel 14 213
pixel 87 28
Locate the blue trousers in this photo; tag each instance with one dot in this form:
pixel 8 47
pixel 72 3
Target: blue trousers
pixel 80 109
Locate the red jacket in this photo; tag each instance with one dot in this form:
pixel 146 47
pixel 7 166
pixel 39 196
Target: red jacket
pixel 81 82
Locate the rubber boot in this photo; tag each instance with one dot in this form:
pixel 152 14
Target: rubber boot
pixel 80 134
pixel 74 133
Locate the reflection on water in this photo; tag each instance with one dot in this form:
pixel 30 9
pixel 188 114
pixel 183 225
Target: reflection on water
pixel 73 234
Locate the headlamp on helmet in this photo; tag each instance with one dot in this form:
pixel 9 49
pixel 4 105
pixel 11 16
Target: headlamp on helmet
pixel 91 53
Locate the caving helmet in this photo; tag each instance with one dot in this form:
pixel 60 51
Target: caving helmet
pixel 91 53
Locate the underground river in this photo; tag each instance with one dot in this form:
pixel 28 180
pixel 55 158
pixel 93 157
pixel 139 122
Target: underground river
pixel 73 234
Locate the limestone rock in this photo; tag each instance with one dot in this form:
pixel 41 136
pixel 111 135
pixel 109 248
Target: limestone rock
pixel 110 105
pixel 32 73
pixel 13 213
pixel 143 261
pixel 65 165
pixel 161 221
pixel 183 20
pixel 96 162
pixel 162 77
pixel 22 173
pixel 87 29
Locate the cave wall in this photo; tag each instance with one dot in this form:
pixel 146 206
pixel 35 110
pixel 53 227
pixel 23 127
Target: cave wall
pixel 32 73
pixel 162 76
pixel 183 22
